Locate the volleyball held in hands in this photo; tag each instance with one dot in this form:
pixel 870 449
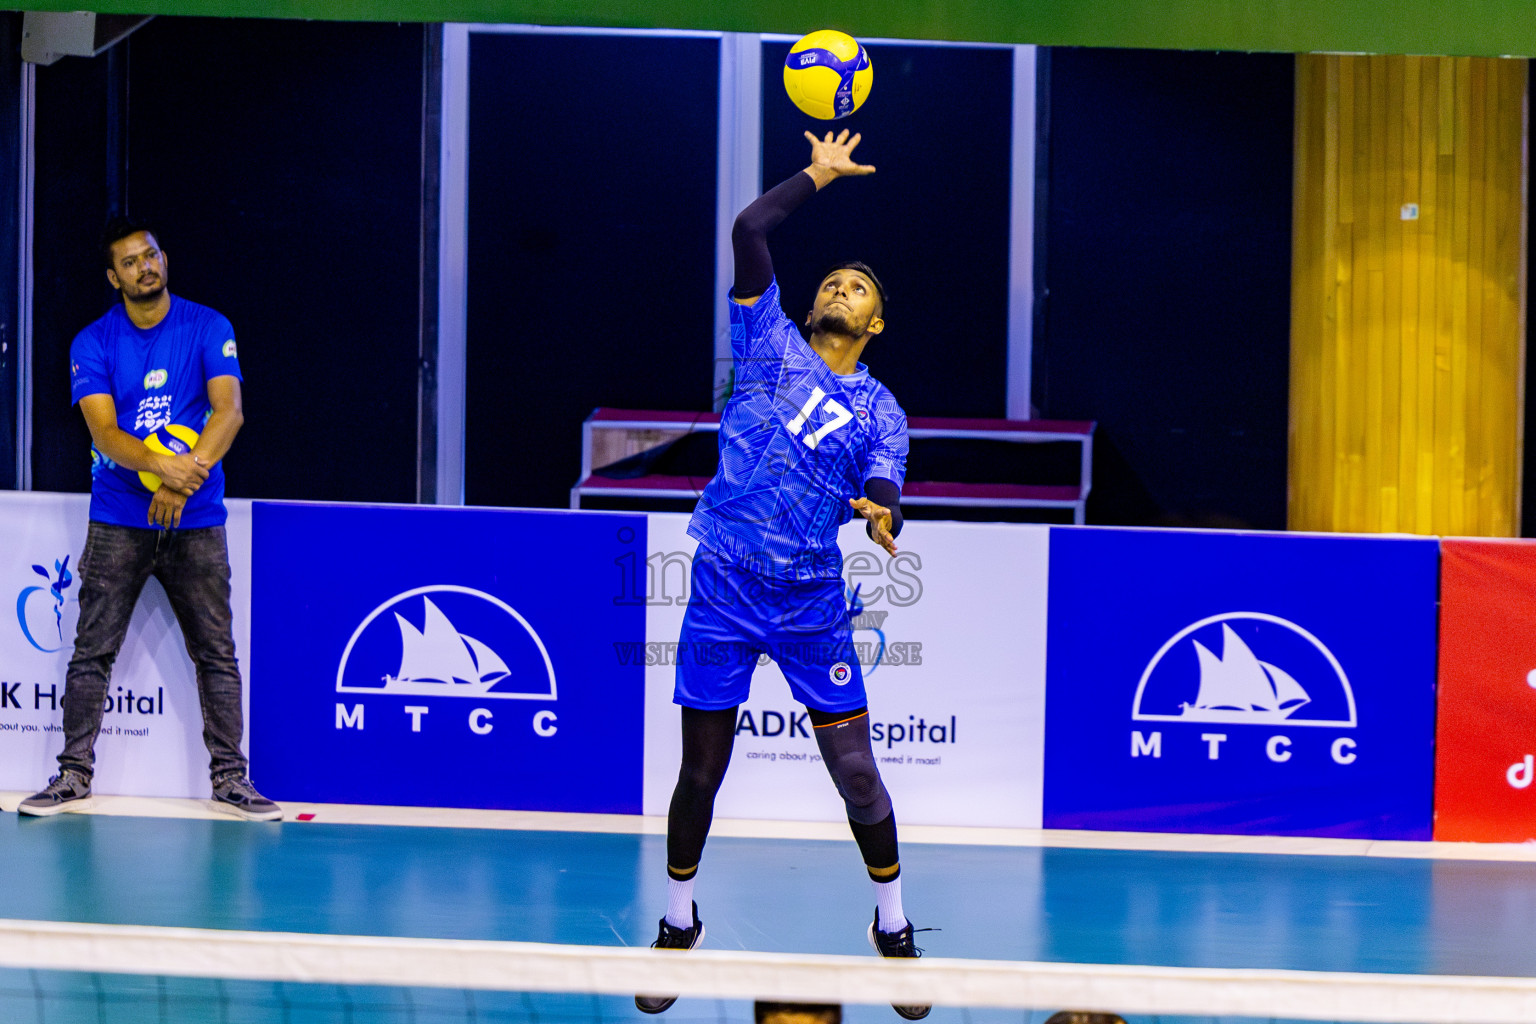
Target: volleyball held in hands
pixel 178 440
pixel 828 74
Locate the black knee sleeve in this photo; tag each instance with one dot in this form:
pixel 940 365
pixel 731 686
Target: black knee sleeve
pixel 850 760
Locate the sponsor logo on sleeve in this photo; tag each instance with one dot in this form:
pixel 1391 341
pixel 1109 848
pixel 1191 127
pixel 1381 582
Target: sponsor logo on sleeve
pixel 229 348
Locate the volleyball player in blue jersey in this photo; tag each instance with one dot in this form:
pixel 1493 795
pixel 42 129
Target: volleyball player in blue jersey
pixel 808 440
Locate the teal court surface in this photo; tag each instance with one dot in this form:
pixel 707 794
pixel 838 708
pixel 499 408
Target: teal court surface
pixel 1056 898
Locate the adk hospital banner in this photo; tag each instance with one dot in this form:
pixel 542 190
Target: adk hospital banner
pixel 151 740
pixel 951 641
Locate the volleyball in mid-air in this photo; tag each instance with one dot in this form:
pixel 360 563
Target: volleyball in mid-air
pixel 828 74
pixel 178 440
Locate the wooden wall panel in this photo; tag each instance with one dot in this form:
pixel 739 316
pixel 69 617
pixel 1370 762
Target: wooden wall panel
pixel 1407 335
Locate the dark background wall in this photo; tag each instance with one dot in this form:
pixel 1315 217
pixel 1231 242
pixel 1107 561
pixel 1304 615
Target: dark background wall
pixel 591 246
pixel 70 289
pixel 282 160
pixel 1166 252
pixel 931 221
pixel 10 177
pixel 281 163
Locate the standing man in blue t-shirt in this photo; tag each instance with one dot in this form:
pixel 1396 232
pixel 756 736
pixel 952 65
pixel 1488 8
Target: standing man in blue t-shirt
pixel 808 440
pixel 158 382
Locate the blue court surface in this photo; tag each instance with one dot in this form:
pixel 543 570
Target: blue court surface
pixel 1005 902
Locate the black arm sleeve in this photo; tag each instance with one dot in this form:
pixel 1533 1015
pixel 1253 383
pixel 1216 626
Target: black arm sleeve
pixel 884 492
pixel 749 236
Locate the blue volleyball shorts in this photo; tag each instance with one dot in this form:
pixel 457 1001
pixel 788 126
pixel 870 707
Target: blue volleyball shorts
pixel 735 616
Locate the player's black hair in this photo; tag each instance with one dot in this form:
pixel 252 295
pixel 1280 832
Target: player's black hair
pixel 863 268
pixel 119 228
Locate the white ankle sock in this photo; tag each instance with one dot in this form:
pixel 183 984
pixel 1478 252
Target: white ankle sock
pixel 680 903
pixel 888 900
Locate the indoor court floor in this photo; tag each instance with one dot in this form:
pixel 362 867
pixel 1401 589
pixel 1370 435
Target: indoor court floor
pixel 1173 901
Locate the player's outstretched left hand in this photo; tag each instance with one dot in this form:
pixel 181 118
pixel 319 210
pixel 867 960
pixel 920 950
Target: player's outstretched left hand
pixel 879 519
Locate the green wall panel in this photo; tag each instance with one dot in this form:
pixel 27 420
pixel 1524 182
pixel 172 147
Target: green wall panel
pixel 1470 27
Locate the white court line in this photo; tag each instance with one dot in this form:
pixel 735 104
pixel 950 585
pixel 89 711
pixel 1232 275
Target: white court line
pixel 635 824
pixel 616 970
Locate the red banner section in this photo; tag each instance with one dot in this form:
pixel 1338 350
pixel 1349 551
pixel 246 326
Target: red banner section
pixel 1485 770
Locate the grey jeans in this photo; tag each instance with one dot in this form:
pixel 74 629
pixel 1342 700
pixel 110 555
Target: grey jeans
pixel 193 567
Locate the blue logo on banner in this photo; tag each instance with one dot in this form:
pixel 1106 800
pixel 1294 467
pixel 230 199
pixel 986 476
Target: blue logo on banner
pixel 56 587
pixel 471 666
pixel 1310 711
pixel 1208 672
pixel 434 659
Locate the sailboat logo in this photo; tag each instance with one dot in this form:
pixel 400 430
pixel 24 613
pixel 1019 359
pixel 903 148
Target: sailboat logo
pixel 447 641
pixel 1245 668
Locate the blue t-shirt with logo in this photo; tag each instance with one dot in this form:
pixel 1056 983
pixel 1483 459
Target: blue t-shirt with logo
pixel 796 442
pixel 158 379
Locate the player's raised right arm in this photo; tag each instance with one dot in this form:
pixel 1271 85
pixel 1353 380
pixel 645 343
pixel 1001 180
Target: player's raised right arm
pixel 831 158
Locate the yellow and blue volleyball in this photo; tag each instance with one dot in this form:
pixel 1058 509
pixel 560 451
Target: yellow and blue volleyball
pixel 828 74
pixel 177 440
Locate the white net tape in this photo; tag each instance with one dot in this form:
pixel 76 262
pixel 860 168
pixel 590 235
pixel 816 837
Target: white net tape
pixel 537 967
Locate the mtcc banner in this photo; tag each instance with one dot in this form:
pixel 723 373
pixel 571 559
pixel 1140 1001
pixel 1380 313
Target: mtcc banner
pixel 446 657
pixel 1248 683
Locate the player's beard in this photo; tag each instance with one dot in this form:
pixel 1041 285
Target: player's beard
pixel 833 322
pixel 150 293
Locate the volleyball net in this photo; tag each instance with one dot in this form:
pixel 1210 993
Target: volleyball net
pixel 60 973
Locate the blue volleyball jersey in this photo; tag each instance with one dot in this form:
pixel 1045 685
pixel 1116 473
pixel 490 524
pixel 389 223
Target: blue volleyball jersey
pixel 156 378
pixel 796 442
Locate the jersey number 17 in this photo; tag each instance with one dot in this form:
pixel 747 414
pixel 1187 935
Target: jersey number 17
pixel 840 416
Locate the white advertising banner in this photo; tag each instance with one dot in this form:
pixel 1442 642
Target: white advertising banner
pixel 151 741
pixel 956 696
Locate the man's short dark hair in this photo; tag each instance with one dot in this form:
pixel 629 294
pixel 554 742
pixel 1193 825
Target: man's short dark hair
pixel 119 228
pixel 862 268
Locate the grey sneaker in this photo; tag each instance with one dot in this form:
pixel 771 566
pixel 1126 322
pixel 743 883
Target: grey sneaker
pixel 67 791
pixel 897 944
pixel 671 938
pixel 235 795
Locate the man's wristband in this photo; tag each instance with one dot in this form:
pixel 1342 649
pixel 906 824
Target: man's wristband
pixel 885 492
